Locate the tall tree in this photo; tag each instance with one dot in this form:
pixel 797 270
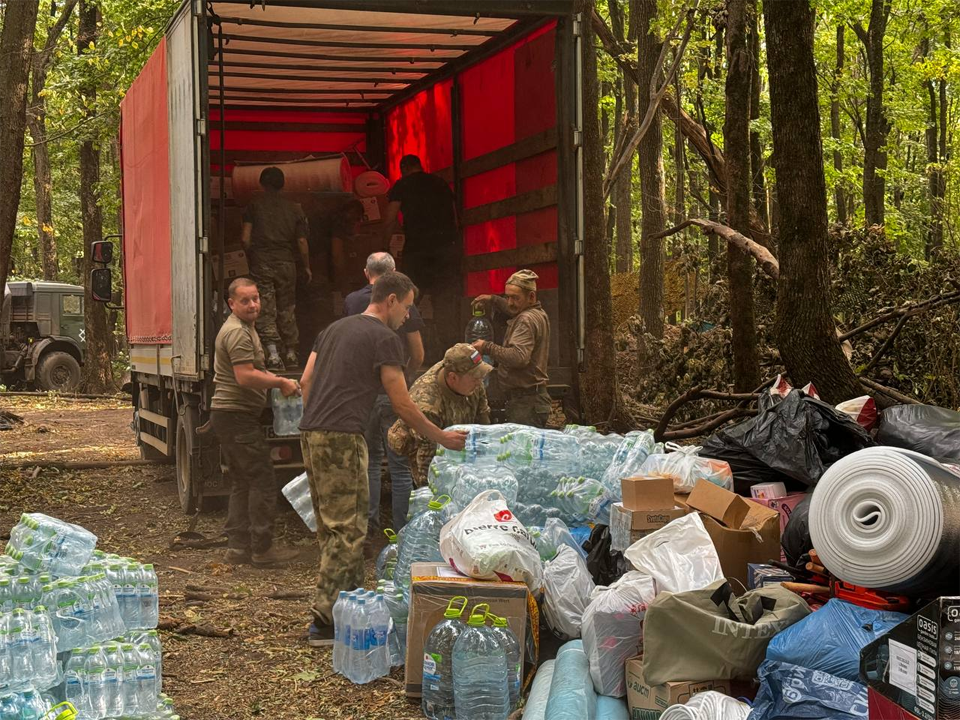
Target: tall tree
pixel 936 152
pixel 98 375
pixel 878 126
pixel 650 152
pixel 596 383
pixel 16 48
pixel 756 147
pixel 736 145
pixel 37 123
pixel 806 332
pixel 839 197
pixel 623 191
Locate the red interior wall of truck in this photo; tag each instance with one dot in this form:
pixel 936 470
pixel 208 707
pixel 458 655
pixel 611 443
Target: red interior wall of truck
pixel 421 126
pixel 146 204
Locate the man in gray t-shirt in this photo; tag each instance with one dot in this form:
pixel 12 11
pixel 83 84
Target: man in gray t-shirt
pixel 351 360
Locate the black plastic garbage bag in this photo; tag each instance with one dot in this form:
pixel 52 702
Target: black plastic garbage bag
pixel 791 692
pixel 606 566
pixel 795 538
pixel 794 441
pixel 927 429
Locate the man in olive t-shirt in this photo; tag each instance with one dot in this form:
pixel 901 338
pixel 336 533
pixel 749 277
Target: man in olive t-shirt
pixel 353 361
pixel 242 382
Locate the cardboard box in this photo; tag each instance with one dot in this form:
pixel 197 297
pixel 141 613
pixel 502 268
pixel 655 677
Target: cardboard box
pixel 627 526
pixel 374 208
pixel 641 493
pixel 433 586
pixel 234 265
pixel 647 702
pixel 756 541
pixel 720 504
pixel 785 506
pixel 915 665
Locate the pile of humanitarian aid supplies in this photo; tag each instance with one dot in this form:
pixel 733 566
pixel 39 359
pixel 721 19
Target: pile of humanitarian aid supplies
pixel 78 634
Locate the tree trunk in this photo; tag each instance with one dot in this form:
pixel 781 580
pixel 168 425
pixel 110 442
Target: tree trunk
pixel 679 161
pixel 934 170
pixel 650 153
pixel 98 374
pixel 835 132
pixel 875 138
pixel 596 383
pixel 16 48
pixel 756 149
pixel 623 191
pixel 736 145
pixel 807 335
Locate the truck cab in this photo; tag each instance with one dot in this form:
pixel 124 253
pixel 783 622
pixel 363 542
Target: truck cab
pixel 42 336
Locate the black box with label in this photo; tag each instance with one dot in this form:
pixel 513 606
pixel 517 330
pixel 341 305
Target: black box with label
pixel 917 663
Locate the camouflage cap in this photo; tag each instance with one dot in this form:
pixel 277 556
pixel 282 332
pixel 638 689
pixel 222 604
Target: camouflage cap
pixel 463 359
pixel 524 279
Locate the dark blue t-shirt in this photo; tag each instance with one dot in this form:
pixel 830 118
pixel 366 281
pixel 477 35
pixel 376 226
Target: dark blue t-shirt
pixel 357 301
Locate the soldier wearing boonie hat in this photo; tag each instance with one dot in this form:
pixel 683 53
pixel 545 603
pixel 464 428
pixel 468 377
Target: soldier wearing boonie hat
pixel 449 393
pixel 521 370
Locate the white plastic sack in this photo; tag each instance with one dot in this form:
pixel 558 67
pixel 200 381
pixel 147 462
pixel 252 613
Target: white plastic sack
pixel 567 587
pixel 612 630
pixel 487 542
pixel 685 468
pixel 679 556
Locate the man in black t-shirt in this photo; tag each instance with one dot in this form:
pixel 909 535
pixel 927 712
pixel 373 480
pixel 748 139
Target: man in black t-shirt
pixel 430 249
pixel 352 361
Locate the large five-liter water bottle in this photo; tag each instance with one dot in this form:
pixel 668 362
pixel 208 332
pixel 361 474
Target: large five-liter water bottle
pixel 397 607
pixel 479 328
pixel 511 648
pixel 287 413
pixel 297 493
pixel 387 554
pixel 419 501
pixel 480 684
pixel 438 702
pixel 420 541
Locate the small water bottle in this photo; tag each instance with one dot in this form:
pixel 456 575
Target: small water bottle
pixel 149 597
pixel 146 679
pixel 18 646
pixel 112 677
pixel 73 678
pixel 152 638
pixel 128 682
pixel 93 681
pixel 133 619
pixel 338 617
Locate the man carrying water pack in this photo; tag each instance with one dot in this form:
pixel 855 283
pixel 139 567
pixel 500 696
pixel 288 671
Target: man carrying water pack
pixel 449 393
pixel 353 360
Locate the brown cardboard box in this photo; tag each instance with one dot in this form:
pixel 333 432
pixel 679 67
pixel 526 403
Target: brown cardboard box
pixel 433 586
pixel 642 493
pixel 720 504
pixel 374 208
pixel 234 265
pixel 738 548
pixel 627 526
pixel 647 702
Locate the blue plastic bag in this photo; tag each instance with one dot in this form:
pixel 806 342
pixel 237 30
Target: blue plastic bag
pixel 790 692
pixel 831 638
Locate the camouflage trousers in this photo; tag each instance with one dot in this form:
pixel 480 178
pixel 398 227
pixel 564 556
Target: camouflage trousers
pixel 277 283
pixel 528 407
pixel 337 470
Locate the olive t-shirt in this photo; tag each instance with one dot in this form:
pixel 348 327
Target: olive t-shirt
pixel 346 376
pixel 237 344
pixel 277 224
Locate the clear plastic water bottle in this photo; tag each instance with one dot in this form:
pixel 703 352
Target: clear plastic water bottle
pixel 146 679
pixel 397 607
pixel 133 618
pixel 152 638
pixel 438 702
pixel 93 682
pixel 112 677
pixel 73 675
pixel 339 608
pixel 9 707
pixel 18 647
pixel 420 541
pixel 419 501
pixel 355 670
pixel 480 686
pixel 474 481
pixel 287 413
pixel 128 682
pixel 478 327
pixel 149 597
pixel 511 647
pixel 32 706
pixel 6 594
pixel 297 493
pixel 387 554
pixel 46 669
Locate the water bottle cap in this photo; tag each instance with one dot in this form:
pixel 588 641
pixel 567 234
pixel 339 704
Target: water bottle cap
pixel 93 650
pixel 343 594
pixel 64 711
pixel 454 612
pixel 112 647
pixel 126 646
pixel 152 633
pixel 500 622
pixel 39 609
pixel 77 651
pixel 148 566
pixel 478 311
pixel 438 503
pixel 391 535
pixel 361 601
pixel 478 616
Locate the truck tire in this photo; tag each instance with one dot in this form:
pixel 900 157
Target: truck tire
pixel 187 471
pixel 59 372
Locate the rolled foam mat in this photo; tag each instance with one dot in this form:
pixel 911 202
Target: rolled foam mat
pixel 572 696
pixel 888 519
pixel 536 705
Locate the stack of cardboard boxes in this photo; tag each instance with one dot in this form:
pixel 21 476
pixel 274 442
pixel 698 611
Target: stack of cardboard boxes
pixel 648 504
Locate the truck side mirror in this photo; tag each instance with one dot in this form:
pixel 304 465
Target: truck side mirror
pixel 101 285
pixel 103 251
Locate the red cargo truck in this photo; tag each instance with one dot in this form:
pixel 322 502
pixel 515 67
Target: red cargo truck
pixel 486 92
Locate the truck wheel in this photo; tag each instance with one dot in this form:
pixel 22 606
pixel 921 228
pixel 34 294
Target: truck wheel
pixel 186 467
pixel 58 371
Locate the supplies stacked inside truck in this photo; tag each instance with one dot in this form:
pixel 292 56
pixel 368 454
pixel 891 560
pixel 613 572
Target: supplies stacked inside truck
pixel 77 625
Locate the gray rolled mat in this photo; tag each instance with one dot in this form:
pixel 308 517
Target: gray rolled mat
pixel 889 519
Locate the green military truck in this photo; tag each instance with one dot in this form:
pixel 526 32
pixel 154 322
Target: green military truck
pixel 42 337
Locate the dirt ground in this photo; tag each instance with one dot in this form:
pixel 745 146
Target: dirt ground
pixel 263 668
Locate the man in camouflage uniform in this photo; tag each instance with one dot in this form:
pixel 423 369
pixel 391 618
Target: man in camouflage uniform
pixel 272 227
pixel 449 393
pixel 353 360
pixel 522 359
